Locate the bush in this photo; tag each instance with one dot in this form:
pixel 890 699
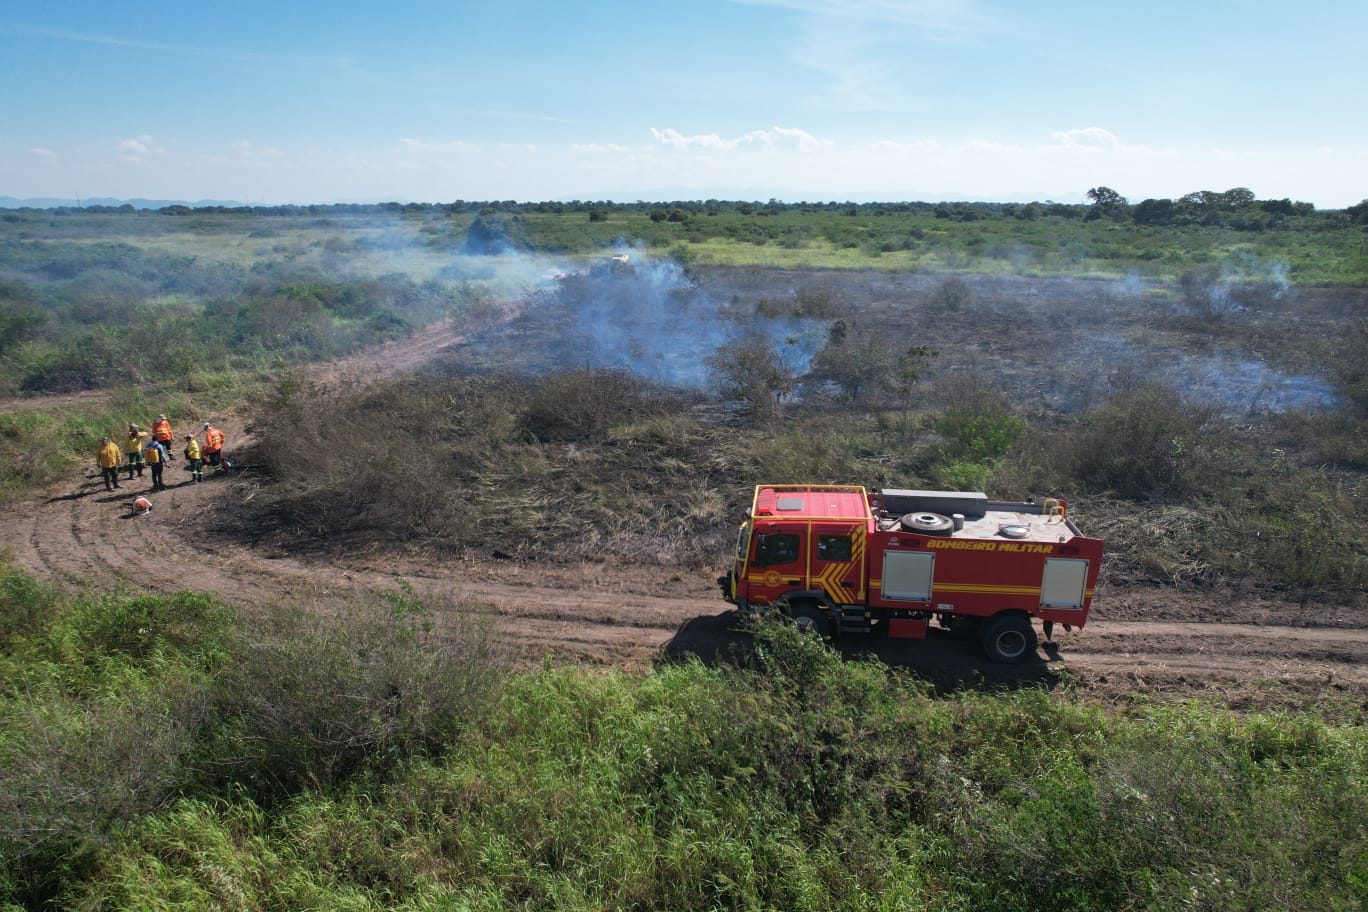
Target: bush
pixel 116 705
pixel 1146 444
pixel 312 699
pixel 582 405
pixel 746 786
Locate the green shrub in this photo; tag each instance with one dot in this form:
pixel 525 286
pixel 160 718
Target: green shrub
pixel 312 699
pixel 792 780
pixel 1145 444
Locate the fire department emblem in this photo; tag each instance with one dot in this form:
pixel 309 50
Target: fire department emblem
pixel 771 578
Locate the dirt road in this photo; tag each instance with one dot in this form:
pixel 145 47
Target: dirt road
pixel 1240 648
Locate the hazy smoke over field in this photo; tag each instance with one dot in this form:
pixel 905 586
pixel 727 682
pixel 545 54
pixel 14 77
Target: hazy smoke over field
pixel 644 316
pixel 1228 379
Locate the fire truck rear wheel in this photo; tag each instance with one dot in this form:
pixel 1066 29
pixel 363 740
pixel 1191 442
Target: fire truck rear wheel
pixel 809 617
pixel 1009 639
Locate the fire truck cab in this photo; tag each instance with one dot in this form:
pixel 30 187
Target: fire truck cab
pixel 842 560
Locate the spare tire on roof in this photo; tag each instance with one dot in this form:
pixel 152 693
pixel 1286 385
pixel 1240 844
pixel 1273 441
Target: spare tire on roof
pixel 927 523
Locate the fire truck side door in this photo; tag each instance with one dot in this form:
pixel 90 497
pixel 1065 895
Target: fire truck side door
pixel 780 559
pixel 838 562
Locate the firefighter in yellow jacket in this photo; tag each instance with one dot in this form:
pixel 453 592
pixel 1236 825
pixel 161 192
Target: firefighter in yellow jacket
pixel 192 456
pixel 133 448
pixel 107 457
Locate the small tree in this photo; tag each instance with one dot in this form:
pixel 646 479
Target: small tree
pixel 757 372
pixel 1106 201
pixel 912 364
pixel 857 360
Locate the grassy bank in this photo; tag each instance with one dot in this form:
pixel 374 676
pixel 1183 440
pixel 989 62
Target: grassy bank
pixel 155 757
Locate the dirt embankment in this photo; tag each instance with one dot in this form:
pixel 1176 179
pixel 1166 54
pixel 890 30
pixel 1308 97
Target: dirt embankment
pixel 1247 649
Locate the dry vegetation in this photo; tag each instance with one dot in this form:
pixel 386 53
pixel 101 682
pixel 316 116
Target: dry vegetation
pixel 1197 446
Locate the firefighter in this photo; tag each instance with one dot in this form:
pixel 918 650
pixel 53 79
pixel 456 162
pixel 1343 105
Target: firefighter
pixel 213 446
pixel 192 456
pixel 155 456
pixel 133 447
pixel 162 433
pixel 108 457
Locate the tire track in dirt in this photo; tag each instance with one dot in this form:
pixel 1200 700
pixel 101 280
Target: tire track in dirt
pixel 630 616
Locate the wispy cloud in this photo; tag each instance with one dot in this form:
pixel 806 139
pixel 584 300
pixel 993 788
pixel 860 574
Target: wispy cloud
pixel 775 137
pixel 42 153
pixel 943 19
pixel 861 47
pixel 170 48
pixel 1087 138
pixel 427 145
pixel 138 149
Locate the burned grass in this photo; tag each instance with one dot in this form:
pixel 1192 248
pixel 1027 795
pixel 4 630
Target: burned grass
pixel 526 441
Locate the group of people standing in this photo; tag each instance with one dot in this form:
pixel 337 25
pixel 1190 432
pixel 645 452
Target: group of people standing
pixel 151 450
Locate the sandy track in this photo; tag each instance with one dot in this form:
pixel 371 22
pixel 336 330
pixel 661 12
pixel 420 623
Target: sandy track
pixel 630 617
pixel 1241 647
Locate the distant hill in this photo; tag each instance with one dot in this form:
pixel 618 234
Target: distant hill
pixel 10 202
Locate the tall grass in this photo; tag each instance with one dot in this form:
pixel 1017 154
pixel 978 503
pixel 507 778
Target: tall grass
pixel 113 706
pixel 791 780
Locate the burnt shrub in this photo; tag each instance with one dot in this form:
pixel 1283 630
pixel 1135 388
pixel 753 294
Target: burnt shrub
pixel 1349 367
pixel 582 405
pixel 563 467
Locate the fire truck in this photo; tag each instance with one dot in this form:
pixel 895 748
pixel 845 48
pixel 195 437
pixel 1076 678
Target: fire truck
pixel 843 560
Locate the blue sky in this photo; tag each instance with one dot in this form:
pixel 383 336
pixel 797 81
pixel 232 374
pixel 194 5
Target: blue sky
pixel 301 102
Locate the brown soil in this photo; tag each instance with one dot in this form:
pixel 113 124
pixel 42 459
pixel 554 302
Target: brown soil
pixel 1246 649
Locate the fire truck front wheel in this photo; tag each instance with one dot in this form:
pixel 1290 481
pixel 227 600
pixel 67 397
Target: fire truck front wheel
pixel 810 618
pixel 1009 639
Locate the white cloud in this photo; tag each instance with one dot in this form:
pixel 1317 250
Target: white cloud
pixel 138 149
pixel 993 148
pixel 773 138
pixel 920 147
pixel 595 148
pixel 1087 138
pixel 788 162
pixel 249 150
pixel 424 145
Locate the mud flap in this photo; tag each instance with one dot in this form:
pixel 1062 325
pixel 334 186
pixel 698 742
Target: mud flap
pixel 906 629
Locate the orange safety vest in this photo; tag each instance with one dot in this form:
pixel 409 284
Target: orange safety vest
pixel 162 431
pixel 213 440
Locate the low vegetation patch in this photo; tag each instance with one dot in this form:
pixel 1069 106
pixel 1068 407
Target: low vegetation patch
pixel 115 705
pixel 362 763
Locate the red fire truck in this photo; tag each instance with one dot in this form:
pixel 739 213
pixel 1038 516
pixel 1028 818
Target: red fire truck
pixel 840 559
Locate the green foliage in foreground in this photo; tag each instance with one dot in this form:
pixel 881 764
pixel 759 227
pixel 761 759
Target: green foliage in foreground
pixel 789 779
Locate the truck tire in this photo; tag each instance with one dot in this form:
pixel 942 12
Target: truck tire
pixel 1008 639
pixel 809 617
pixel 927 523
